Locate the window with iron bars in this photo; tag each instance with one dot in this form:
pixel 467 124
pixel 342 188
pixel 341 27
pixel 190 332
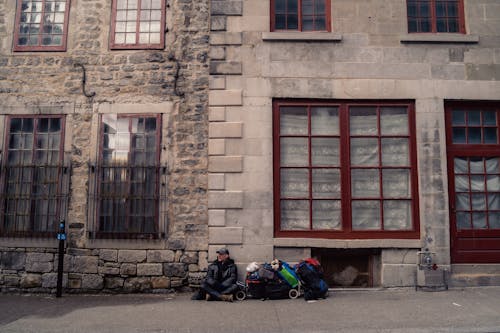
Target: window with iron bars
pixel 127 185
pixel 34 179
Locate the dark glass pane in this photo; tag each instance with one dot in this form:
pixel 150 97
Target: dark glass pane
pixel 280 22
pixel 490 135
pixel 320 7
pixel 150 124
pixel 425 25
pixel 15 125
pixel 47 29
pixel 453 25
pixel 474 135
pixel 292 6
pixel 458 135
pixel 320 24
pixel 46 40
pixel 425 9
pixel 412 25
pixel 307 23
pixel 441 9
pixel 458 118
pixel 280 6
pixel 24 29
pixel 293 22
pixel 453 8
pixel 55 125
pixel 441 25
pixel 27 125
pixel 43 125
pixel 412 9
pixel 22 41
pixel 307 7
pixel 489 118
pixel 474 118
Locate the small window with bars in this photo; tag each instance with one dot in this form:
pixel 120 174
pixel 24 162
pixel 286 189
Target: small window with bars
pixel 127 178
pixel 435 16
pixel 34 179
pixel 138 24
pixel 41 25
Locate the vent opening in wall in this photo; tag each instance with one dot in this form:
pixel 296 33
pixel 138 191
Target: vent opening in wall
pixel 349 268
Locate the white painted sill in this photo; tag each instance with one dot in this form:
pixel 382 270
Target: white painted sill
pixel 439 38
pixel 301 37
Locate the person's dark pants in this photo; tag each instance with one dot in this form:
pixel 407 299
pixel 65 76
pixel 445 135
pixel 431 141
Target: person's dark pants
pixel 215 290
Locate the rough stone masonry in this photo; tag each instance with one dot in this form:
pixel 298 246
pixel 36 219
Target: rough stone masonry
pixel 172 82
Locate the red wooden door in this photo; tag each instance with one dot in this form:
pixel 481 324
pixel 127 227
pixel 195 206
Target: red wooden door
pixel 474 181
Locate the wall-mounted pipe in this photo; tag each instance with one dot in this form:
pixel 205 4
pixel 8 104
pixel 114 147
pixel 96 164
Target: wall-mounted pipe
pixel 84 80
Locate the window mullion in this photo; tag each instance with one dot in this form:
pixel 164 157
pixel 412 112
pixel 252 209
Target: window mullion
pixel 433 16
pixel 380 169
pixel 309 143
pixel 299 14
pixel 138 21
pixel 345 168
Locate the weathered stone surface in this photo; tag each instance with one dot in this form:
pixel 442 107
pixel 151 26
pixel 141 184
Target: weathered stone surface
pixel 189 258
pixel 84 264
pixel 137 284
pixel 226 7
pixel 12 260
pixel 11 280
pixel 160 256
pixel 31 280
pixel 160 282
pixel 49 280
pixel 149 269
pixel 132 256
pixel 108 270
pixel 176 243
pixel 128 269
pixel 92 281
pixel 177 269
pixel 113 282
pixel 108 255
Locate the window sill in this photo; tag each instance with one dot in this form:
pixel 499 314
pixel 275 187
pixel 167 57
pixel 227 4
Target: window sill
pixel 29 242
pixel 301 37
pixel 347 243
pixel 439 38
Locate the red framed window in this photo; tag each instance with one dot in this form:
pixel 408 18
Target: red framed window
pixel 435 16
pixel 33 197
pixel 128 176
pixel 41 25
pixel 138 24
pixel 345 170
pixel 300 15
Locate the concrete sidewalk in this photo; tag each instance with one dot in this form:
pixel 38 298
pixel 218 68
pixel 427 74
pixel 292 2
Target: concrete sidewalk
pixel 394 310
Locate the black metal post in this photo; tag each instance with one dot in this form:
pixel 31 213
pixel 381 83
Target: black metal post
pixel 61 236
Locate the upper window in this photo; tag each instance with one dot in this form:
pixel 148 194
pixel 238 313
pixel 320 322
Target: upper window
pixel 32 174
pixel 345 170
pixel 41 25
pixel 435 16
pixel 300 15
pixel 138 24
pixel 128 176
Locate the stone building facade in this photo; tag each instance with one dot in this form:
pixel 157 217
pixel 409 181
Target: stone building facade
pixel 87 91
pixel 270 78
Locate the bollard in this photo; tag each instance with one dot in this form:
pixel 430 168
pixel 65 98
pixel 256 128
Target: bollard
pixel 61 236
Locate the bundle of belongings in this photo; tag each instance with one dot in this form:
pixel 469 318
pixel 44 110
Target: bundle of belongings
pixel 311 276
pixel 279 280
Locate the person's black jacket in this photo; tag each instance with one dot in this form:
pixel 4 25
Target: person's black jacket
pixel 228 273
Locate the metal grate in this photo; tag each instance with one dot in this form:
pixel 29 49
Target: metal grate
pixel 34 199
pixel 127 201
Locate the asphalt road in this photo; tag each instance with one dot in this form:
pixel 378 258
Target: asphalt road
pixel 394 310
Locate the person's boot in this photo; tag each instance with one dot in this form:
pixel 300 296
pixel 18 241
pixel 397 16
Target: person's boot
pixel 227 298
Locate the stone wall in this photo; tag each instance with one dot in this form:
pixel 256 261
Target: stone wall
pixel 172 82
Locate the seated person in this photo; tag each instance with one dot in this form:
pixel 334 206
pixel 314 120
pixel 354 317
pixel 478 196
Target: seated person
pixel 220 282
